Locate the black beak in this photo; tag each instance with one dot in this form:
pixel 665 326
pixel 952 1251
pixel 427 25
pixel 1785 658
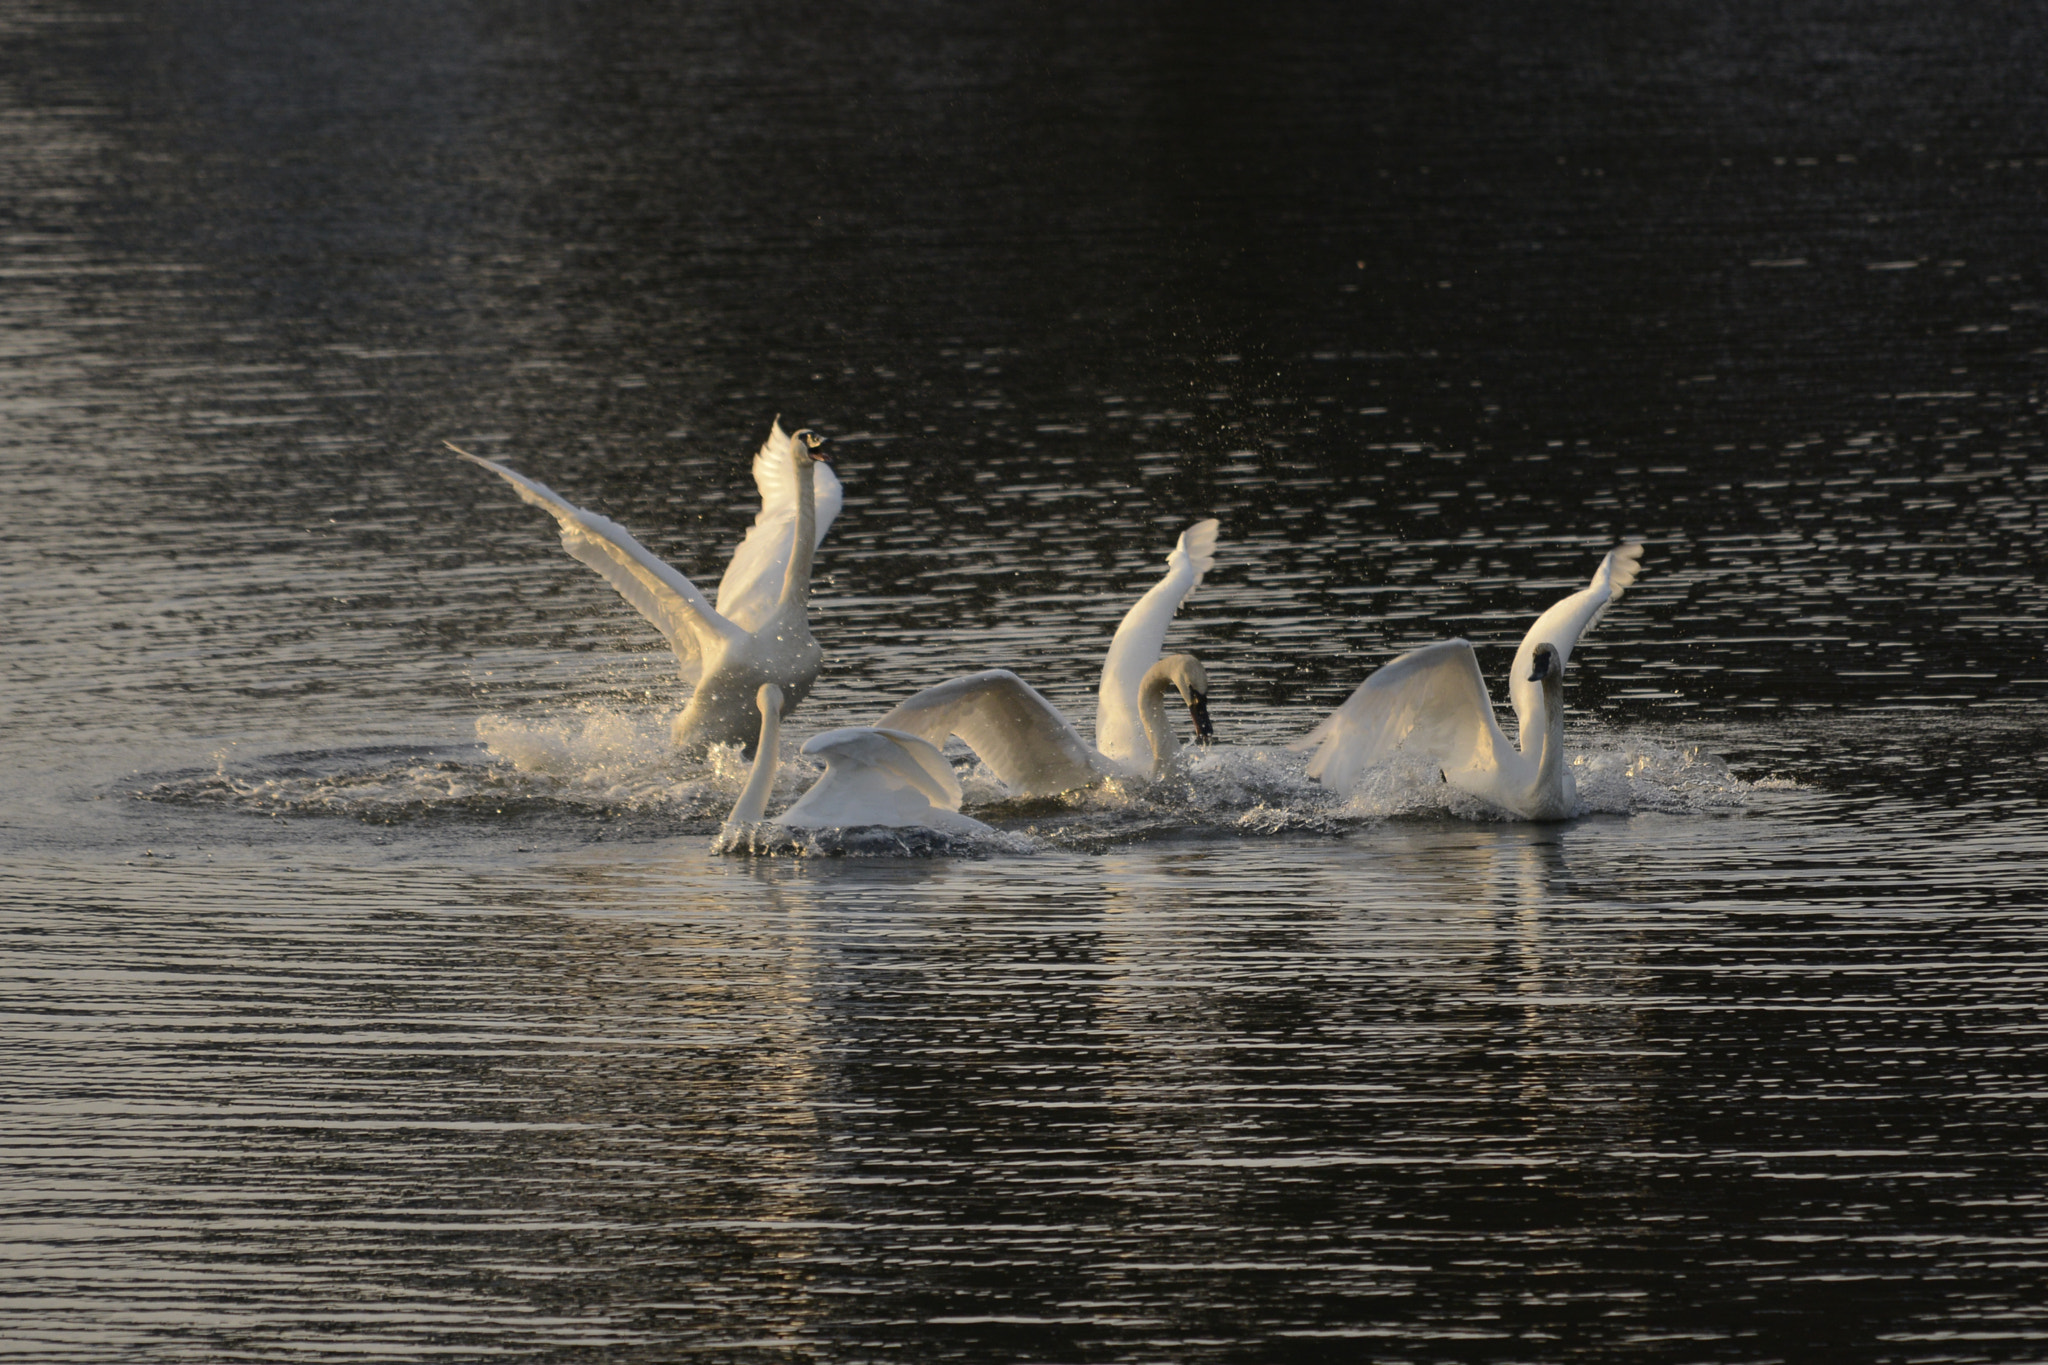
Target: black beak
pixel 1198 707
pixel 1540 666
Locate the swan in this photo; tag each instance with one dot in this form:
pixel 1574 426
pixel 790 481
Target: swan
pixel 1433 702
pixel 760 631
pixel 872 776
pixel 1036 751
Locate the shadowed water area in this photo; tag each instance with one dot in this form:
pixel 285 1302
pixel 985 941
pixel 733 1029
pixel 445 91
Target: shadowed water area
pixel 369 985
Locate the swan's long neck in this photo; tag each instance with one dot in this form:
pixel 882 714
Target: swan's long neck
pixel 1152 691
pixel 796 580
pixel 1543 737
pixel 753 802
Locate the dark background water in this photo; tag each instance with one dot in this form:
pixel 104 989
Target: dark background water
pixel 352 1040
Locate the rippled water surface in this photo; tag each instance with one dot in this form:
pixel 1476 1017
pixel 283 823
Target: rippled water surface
pixel 370 986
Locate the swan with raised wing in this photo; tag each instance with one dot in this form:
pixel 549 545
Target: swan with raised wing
pixel 1034 749
pixel 1432 702
pixel 760 631
pixel 873 776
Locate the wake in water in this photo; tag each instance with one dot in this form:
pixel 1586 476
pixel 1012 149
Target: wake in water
pixel 618 766
pixel 770 840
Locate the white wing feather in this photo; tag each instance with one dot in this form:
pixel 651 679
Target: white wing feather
pixel 752 584
pixel 1430 701
pixel 1566 622
pixel 879 777
pixel 1119 730
pixel 1022 737
pixel 668 600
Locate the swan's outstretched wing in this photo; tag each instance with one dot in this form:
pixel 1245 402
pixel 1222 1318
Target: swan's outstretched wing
pixel 1022 737
pixel 1564 624
pixel 753 580
pixel 1431 701
pixel 1119 731
pixel 656 591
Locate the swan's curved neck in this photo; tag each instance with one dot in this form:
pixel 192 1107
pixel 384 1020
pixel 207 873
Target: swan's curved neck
pixel 1543 736
pixel 1152 690
pixel 796 580
pixel 753 802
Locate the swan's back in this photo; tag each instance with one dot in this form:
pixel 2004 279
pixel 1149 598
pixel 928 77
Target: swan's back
pixel 877 777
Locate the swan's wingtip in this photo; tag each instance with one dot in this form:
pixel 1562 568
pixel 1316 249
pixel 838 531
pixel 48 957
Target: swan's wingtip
pixel 1624 564
pixel 474 459
pixel 1198 543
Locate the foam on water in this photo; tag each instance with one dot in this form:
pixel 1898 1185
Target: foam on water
pixel 1616 775
pixel 615 763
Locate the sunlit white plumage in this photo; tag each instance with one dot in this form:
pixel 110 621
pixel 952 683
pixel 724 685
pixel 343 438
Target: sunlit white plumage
pixel 1432 702
pixel 872 776
pixel 1035 750
pixel 760 630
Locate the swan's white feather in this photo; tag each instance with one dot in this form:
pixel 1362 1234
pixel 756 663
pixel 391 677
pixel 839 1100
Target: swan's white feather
pixel 668 600
pixel 1032 749
pixel 1566 623
pixel 752 585
pixel 875 776
pixel 1431 702
pixel 1119 730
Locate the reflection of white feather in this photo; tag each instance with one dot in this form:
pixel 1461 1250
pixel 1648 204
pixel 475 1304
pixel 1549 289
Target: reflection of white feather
pixel 1432 702
pixel 760 631
pixel 1037 751
pixel 872 777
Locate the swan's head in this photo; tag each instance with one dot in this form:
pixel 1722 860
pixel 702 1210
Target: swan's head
pixel 769 699
pixel 1545 668
pixel 812 444
pixel 1191 680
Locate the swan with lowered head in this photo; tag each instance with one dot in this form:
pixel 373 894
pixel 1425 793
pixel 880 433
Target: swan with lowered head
pixel 1036 751
pixel 872 777
pixel 1433 702
pixel 760 631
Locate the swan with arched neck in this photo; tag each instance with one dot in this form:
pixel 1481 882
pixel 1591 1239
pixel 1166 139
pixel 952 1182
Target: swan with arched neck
pixel 1033 749
pixel 1432 702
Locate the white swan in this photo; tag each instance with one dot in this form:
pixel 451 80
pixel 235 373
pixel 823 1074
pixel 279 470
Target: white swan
pixel 872 777
pixel 1035 750
pixel 760 631
pixel 1433 702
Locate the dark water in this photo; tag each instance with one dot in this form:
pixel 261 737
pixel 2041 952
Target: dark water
pixel 371 990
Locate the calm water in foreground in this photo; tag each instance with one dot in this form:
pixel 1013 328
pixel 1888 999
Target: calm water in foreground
pixel 369 988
